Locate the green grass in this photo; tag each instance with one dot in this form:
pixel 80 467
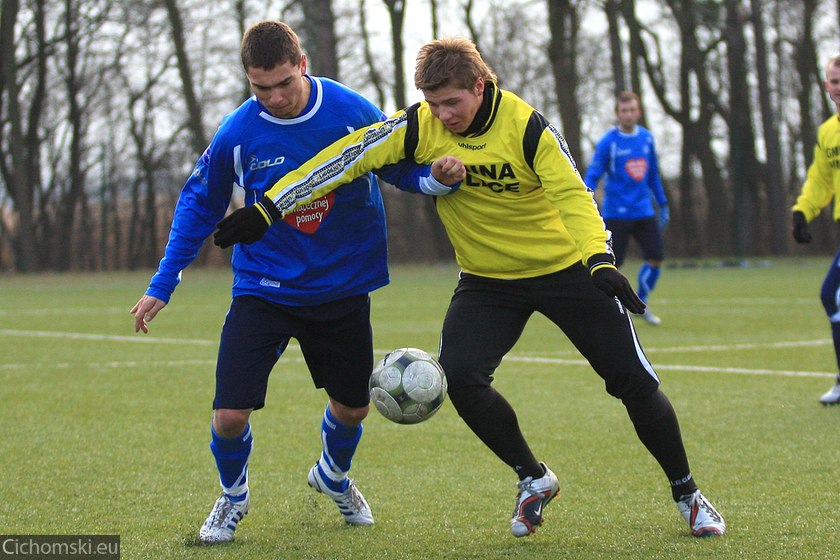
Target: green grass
pixel 106 431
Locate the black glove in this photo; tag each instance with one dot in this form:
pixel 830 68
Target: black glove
pixel 247 224
pixel 609 280
pixel 800 228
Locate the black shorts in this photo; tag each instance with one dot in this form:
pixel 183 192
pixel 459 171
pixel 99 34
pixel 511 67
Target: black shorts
pixel 335 338
pixel 646 232
pixel 487 316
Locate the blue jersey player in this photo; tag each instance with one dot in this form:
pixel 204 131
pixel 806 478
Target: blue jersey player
pixel 308 279
pixel 626 153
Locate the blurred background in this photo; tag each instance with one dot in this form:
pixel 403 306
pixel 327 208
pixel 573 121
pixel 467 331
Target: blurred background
pixel 105 106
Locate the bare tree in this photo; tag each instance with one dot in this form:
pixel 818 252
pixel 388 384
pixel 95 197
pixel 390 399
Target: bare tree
pixel 195 122
pixel 376 80
pixel 773 167
pixel 396 15
pixel 318 33
pixel 17 163
pixel 699 105
pixel 62 242
pixel 99 124
pixel 743 163
pixel 628 10
pixel 563 24
pixel 611 11
pixel 433 9
pixel 805 56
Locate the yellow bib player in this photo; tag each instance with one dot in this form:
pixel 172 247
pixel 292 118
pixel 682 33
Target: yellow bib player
pixel 821 186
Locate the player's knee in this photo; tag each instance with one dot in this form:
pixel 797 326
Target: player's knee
pixel 230 422
pixel 347 415
pixel 647 409
pixel 471 400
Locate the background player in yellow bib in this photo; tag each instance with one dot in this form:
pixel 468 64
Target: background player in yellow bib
pixel 529 238
pixel 821 186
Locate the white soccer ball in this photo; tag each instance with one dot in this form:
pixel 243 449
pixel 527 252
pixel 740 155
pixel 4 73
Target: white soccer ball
pixel 407 386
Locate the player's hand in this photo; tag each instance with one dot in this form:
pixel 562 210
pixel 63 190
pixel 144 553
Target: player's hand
pixel 449 170
pixel 613 283
pixel 246 225
pixel 800 228
pixel 664 216
pixel 144 311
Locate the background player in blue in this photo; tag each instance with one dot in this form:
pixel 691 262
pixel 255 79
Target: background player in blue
pixel 626 153
pixel 308 279
pixel 822 185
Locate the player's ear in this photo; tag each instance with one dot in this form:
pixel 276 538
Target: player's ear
pixel 478 88
pixel 302 64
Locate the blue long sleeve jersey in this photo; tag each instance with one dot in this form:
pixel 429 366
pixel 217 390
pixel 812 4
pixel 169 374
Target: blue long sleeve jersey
pixel 632 168
pixel 331 248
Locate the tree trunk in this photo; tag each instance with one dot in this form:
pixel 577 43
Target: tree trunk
pixel 18 180
pixel 616 57
pixel 396 12
pixel 773 183
pixel 563 23
pixel 62 243
pixel 742 159
pixel 628 10
pixel 194 123
pixel 375 77
pixel 319 37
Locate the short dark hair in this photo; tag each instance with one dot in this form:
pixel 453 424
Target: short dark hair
pixel 626 96
pixel 266 44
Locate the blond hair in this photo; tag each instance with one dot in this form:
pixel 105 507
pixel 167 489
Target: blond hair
pixel 833 61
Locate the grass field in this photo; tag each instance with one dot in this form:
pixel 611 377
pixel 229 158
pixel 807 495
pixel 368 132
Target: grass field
pixel 106 431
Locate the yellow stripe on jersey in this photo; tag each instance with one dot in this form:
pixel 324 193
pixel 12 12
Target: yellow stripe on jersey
pixel 349 157
pixel 508 219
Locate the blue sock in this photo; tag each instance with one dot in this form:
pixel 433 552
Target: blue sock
pixel 648 275
pixel 340 443
pixel 232 456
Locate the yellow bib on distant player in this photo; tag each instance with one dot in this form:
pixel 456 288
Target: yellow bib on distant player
pixel 823 181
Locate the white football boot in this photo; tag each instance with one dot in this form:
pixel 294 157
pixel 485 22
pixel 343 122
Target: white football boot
pixel 833 394
pixel 702 518
pixel 224 517
pixel 351 503
pixel 651 318
pixel 533 497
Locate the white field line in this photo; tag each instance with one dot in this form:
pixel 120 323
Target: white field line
pixel 142 339
pixel 660 367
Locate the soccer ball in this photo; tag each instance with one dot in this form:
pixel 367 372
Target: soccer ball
pixel 407 386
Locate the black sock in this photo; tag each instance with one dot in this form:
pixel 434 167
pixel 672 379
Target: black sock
pixel 494 421
pixel 656 425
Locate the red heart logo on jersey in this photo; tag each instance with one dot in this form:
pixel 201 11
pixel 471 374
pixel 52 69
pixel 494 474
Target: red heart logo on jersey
pixel 309 217
pixel 636 168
